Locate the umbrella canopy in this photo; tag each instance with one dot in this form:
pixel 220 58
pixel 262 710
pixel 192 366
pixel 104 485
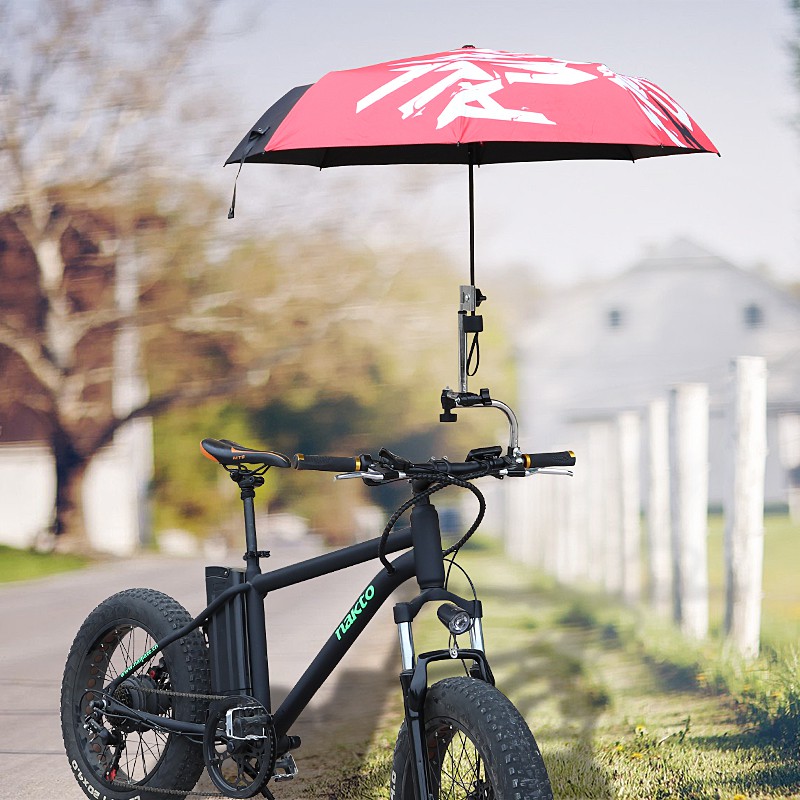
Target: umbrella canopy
pixel 471 106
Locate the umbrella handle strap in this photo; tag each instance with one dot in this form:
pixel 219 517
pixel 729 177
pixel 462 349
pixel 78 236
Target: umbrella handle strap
pixel 255 134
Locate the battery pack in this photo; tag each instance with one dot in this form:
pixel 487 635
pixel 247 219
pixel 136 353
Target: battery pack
pixel 227 633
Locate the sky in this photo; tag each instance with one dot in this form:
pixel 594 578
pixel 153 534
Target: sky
pixel 725 61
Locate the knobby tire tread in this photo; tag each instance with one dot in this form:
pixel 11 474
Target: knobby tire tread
pixel 182 763
pixel 509 751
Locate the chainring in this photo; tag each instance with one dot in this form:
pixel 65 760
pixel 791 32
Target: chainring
pixel 239 745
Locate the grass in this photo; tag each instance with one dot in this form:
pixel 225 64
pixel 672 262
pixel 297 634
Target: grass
pixel 19 565
pixel 620 705
pixel 780 611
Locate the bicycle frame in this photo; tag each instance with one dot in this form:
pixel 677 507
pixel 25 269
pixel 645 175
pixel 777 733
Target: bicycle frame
pixel 424 561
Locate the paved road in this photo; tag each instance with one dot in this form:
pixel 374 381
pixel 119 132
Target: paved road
pixel 38 621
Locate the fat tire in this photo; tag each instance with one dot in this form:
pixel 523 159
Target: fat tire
pixel 178 762
pixel 470 709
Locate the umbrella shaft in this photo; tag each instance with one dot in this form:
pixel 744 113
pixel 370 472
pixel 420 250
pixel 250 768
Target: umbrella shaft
pixel 471 224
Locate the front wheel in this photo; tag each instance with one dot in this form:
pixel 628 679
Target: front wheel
pixel 121 758
pixel 478 747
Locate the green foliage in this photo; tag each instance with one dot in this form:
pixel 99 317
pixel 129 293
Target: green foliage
pixel 767 694
pixel 190 491
pixel 579 614
pixel 19 565
pixel 323 426
pixel 342 354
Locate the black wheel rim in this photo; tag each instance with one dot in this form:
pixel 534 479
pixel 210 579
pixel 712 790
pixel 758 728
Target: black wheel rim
pixel 122 752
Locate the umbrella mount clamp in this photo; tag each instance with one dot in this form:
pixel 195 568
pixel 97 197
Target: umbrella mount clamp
pixel 452 400
pixel 471 298
pixel 469 322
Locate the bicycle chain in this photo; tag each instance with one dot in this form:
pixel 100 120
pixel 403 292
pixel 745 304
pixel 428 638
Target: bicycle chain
pixel 148 788
pixel 183 694
pixel 181 792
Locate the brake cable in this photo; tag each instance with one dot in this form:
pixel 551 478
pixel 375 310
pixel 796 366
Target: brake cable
pixel 475 349
pixel 441 482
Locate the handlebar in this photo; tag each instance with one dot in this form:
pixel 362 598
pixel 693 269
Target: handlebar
pixel 565 458
pixel 326 463
pixel 479 462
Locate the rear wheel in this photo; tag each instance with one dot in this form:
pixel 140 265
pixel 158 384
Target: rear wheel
pixel 478 747
pixel 119 757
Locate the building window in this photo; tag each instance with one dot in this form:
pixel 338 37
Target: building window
pixel 753 316
pixel 614 318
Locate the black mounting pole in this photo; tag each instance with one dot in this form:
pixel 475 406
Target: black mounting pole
pixel 471 148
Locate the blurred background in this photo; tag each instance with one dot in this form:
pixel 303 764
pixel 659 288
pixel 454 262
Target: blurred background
pixel 137 319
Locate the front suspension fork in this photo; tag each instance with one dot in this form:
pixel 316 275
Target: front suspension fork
pixel 414 682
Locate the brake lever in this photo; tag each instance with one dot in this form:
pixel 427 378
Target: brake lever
pixel 372 475
pixel 392 460
pixel 526 473
pixel 346 476
pixel 550 471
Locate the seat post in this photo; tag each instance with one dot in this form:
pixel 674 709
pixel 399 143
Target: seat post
pixel 256 617
pixel 247 484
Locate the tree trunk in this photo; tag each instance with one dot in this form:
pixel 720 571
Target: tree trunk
pixel 68 519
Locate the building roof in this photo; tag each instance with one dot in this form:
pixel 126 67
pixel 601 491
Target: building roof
pixel 681 314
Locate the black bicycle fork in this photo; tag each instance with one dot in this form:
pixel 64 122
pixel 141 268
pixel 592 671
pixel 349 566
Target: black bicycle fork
pixel 429 567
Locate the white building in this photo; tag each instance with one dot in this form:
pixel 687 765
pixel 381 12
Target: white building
pixel 680 315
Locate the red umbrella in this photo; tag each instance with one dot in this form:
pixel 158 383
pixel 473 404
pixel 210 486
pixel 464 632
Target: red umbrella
pixel 471 106
pixel 509 106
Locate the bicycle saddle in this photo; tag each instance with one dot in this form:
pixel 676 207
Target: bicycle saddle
pixel 228 453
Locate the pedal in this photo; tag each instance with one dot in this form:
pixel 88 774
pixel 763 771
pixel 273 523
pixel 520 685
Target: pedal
pixel 247 722
pixel 287 764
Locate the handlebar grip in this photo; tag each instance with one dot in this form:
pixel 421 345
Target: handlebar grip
pixel 565 458
pixel 326 463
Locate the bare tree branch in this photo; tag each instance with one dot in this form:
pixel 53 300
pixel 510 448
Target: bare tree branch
pixel 33 354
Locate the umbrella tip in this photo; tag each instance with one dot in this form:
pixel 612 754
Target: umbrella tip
pixel 467 47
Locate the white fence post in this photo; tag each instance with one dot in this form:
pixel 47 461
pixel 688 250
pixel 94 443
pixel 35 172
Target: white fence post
pixel 579 510
pixel 629 443
pixel 612 533
pixel 789 454
pixel 596 466
pixel 658 523
pixel 689 505
pixel 562 529
pixel 744 503
pixel 519 525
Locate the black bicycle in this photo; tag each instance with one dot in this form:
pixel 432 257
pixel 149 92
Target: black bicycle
pixel 152 696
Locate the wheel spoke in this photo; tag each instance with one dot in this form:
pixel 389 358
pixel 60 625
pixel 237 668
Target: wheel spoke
pixel 458 773
pixel 140 750
pixel 122 747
